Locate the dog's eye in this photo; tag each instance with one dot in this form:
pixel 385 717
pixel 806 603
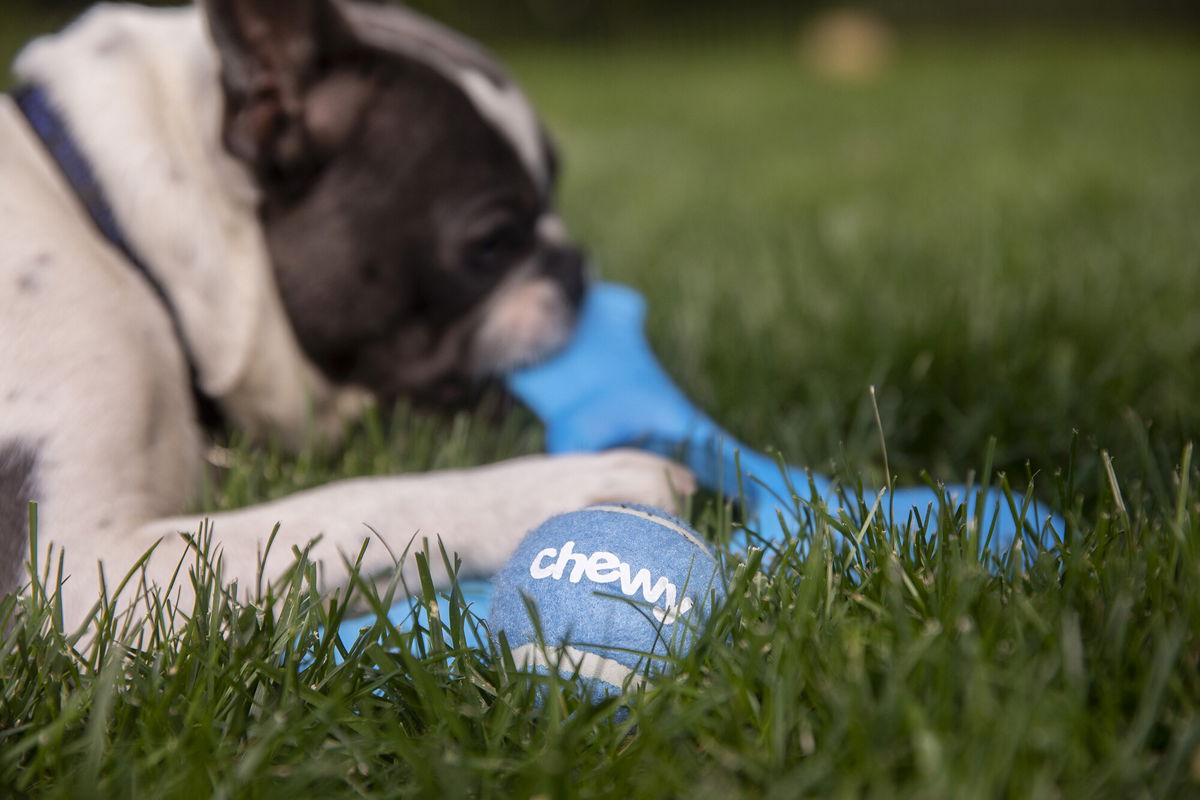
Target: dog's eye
pixel 498 247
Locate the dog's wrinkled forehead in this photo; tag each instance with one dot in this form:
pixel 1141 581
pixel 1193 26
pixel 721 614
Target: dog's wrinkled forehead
pixel 481 77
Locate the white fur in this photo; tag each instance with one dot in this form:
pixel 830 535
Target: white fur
pixel 526 319
pixel 551 229
pixel 501 103
pixel 507 109
pixel 186 205
pixel 94 383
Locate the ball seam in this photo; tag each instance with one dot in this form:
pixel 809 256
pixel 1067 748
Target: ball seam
pixel 666 523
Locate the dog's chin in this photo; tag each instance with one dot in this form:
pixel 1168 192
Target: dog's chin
pixel 528 320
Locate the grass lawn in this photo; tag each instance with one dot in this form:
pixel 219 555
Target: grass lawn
pixel 1001 236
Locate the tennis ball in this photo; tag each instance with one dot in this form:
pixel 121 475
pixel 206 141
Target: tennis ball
pixel 617 591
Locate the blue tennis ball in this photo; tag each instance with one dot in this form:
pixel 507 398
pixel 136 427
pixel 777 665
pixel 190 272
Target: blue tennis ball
pixel 618 591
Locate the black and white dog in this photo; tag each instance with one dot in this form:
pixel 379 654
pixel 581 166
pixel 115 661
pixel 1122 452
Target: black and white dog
pixel 284 209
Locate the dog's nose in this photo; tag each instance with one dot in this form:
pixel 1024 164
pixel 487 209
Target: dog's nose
pixel 569 267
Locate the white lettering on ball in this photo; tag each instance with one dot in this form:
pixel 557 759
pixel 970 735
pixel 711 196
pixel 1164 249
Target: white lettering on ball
pixel 605 567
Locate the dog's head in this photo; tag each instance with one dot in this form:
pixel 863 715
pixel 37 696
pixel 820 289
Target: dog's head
pixel 407 193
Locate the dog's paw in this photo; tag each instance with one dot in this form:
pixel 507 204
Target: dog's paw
pixel 632 476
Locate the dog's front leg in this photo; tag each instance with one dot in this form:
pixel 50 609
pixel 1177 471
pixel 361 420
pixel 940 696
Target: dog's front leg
pixel 479 514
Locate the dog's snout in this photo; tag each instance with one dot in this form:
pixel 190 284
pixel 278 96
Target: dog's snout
pixel 568 266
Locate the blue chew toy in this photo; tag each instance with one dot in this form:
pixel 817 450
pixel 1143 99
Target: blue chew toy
pixel 606 389
pixel 618 591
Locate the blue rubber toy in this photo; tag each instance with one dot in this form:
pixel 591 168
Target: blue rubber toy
pixel 606 389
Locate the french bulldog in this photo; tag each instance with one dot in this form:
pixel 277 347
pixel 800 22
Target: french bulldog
pixel 277 212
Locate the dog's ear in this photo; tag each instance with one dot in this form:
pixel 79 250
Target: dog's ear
pixel 271 53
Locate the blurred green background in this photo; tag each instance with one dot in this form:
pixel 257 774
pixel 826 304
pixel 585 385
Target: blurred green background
pixel 989 211
pixel 658 18
pixel 599 17
pixel 609 19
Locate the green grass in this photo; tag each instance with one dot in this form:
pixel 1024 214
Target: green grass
pixel 1002 239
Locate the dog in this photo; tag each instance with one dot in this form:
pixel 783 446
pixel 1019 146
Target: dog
pixel 277 213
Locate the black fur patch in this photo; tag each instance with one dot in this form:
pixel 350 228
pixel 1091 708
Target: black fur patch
pixel 17 465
